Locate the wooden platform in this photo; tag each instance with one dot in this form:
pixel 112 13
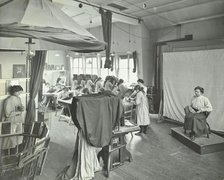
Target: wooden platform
pixel 201 145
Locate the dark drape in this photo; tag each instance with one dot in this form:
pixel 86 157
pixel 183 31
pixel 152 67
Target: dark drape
pixel 37 69
pixel 112 63
pixel 135 58
pixel 106 18
pixel 97 115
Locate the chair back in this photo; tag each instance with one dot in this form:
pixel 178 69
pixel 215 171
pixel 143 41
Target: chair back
pixel 28 160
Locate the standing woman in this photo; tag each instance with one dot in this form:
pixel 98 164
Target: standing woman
pixel 12 112
pixel 143 119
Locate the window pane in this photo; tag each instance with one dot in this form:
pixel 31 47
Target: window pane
pixel 75 62
pixel 94 71
pixel 75 70
pixel 123 63
pixel 88 63
pixel 80 62
pixel 88 71
pixel 94 60
pixel 123 74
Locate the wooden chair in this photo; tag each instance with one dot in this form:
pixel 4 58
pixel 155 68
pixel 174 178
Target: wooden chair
pixel 28 159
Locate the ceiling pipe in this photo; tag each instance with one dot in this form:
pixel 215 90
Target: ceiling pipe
pixel 97 6
pixel 201 19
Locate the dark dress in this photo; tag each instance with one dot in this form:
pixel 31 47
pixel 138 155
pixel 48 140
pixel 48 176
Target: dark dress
pixel 196 122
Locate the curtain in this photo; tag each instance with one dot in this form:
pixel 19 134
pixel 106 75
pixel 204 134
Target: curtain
pixel 37 69
pixel 106 18
pixel 135 59
pixel 182 72
pixel 112 63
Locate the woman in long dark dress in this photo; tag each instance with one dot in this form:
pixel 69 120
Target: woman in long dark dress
pixel 196 114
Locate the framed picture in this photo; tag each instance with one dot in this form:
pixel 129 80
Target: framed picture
pixel 0 71
pixel 19 70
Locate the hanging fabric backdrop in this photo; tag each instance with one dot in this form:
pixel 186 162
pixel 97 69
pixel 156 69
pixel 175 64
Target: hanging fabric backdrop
pixel 183 71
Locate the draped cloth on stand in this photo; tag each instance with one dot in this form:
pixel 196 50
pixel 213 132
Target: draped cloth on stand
pixel 37 69
pixel 95 116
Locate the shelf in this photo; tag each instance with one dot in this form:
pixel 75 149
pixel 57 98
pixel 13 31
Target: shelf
pixel 9 79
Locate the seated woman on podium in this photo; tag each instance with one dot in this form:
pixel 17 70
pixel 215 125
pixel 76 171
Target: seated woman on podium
pixel 196 114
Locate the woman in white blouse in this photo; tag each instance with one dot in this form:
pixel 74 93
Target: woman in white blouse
pixel 142 110
pixel 196 114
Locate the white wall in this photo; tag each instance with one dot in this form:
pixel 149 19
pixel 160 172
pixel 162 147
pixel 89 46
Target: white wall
pixel 202 30
pixel 7 59
pixel 143 41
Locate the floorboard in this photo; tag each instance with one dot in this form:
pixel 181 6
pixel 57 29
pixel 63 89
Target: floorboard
pixel 156 156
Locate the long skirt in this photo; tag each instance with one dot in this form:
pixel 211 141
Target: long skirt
pixel 196 122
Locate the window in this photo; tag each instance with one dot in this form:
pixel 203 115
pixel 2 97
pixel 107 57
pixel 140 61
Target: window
pixel 91 65
pixel 126 66
pixel 94 65
pixel 77 66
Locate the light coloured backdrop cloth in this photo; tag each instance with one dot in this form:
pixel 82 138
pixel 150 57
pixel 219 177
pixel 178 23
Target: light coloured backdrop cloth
pixel 183 71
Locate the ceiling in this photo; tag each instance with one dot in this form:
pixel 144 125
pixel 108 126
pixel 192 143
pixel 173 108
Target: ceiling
pixel 154 14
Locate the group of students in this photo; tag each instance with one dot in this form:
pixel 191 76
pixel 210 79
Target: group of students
pixel 89 86
pixel 116 86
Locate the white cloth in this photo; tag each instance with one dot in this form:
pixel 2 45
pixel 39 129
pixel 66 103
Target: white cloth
pixel 84 162
pixel 142 109
pixel 182 72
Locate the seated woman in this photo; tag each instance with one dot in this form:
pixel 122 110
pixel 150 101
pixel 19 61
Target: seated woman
pixel 196 114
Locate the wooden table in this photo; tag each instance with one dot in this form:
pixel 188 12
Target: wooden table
pixel 65 105
pixel 51 97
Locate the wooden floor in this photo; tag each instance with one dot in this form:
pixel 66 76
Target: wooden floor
pixel 156 156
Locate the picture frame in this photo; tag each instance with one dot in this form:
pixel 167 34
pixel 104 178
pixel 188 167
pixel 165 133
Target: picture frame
pixel 19 70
